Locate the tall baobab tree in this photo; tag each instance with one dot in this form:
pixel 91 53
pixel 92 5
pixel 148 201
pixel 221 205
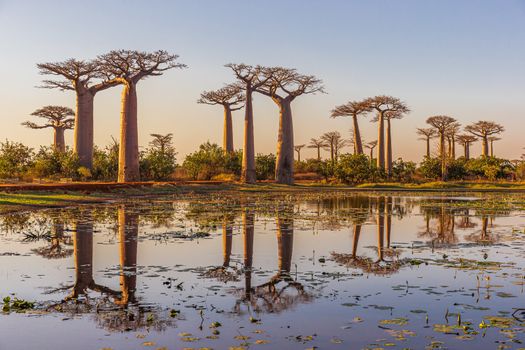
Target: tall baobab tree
pixel 333 142
pixel 229 96
pixel 442 123
pixel 388 117
pixel 492 139
pixel 383 105
pixel 484 129
pixel 251 77
pixel 371 145
pixel 426 135
pixel 353 109
pixel 452 132
pixel 283 87
pixel 298 149
pixel 128 67
pixel 318 144
pixel 86 79
pixel 57 117
pixel 466 140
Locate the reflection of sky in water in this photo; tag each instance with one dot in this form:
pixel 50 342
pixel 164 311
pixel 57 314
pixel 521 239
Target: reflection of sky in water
pixel 368 296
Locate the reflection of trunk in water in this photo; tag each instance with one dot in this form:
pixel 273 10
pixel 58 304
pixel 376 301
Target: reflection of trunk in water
pixel 227 232
pixel 128 227
pixel 380 221
pixel 248 221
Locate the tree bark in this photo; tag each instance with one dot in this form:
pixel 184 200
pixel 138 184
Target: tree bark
pixel 428 147
pixel 248 154
pixel 381 142
pixel 58 140
pixel 129 147
pixel 388 148
pixel 83 133
pixel 358 143
pixel 128 227
pixel 227 143
pixel 285 143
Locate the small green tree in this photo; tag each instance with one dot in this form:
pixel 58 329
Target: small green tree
pixel 15 159
pixel 158 162
pixel 354 169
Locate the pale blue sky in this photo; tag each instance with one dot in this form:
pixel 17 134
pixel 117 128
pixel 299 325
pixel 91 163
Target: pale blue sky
pixel 464 58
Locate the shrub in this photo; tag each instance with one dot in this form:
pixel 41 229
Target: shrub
pixel 265 166
pixel 353 169
pixel 403 171
pixel 15 159
pixel 430 168
pixel 210 160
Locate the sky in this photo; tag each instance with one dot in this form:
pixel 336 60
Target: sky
pixel 465 59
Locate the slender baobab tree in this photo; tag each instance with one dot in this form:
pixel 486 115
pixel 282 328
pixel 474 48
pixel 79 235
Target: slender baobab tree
pixel 384 104
pixel 283 87
pixel 298 149
pixel 128 67
pixel 371 145
pixel 228 97
pixel 251 77
pixel 484 129
pixel 452 132
pixel 318 144
pixel 426 135
pixel 58 118
pixel 86 79
pixel 162 142
pixel 492 139
pixel 333 142
pixel 388 117
pixel 466 140
pixel 353 109
pixel 442 123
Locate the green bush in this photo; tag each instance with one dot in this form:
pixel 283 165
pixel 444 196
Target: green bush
pixel 265 166
pixel 210 160
pixel 403 171
pixel 430 168
pixel 15 159
pixel 354 169
pixel 50 163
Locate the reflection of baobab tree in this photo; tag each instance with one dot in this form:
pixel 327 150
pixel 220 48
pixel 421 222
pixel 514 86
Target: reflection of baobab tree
pixel 440 224
pixel 485 234
pixel 57 238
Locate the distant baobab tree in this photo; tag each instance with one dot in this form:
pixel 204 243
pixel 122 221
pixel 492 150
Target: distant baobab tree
pixel 452 131
pixel 283 87
pixel 333 142
pixel 298 149
pixel 492 139
pixel 318 144
pixel 466 140
pixel 128 67
pixel 484 129
pixel 383 105
pixel 442 123
pixel 228 97
pixel 353 109
pixel 388 117
pixel 57 117
pixel 250 77
pixel 161 142
pixel 86 79
pixel 426 135
pixel 371 145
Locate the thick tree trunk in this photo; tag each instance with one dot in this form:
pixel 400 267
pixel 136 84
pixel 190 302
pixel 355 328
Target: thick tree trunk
pixel 298 156
pixel 492 148
pixel 467 151
pixel 128 166
pixel 381 142
pixel 318 153
pixel 248 153
pixel 358 143
pixel 83 133
pixel 428 147
pixel 284 243
pixel 128 227
pixel 58 140
pixel 227 143
pixel 485 146
pixel 453 153
pixel 285 145
pixel 388 148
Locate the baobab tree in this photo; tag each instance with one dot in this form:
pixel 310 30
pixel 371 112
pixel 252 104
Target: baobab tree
pixel 426 135
pixel 128 67
pixel 452 131
pixel 298 149
pixel 442 123
pixel 318 144
pixel 283 86
pixel 250 77
pixel 466 140
pixel 353 109
pixel 58 118
pixel 229 96
pixel 371 145
pixel 162 142
pixel 492 139
pixel 333 142
pixel 484 129
pixel 388 117
pixel 383 105
pixel 86 79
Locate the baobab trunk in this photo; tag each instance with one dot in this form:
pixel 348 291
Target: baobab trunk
pixel 381 142
pixel 388 149
pixel 485 147
pixel 83 133
pixel 284 161
pixel 492 148
pixel 453 147
pixel 318 153
pixel 128 227
pixel 227 144
pixel 428 147
pixel 58 142
pixel 358 144
pixel 248 154
pixel 128 167
pixel 467 151
pixel 443 156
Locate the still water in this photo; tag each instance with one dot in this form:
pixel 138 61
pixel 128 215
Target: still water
pixel 279 271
